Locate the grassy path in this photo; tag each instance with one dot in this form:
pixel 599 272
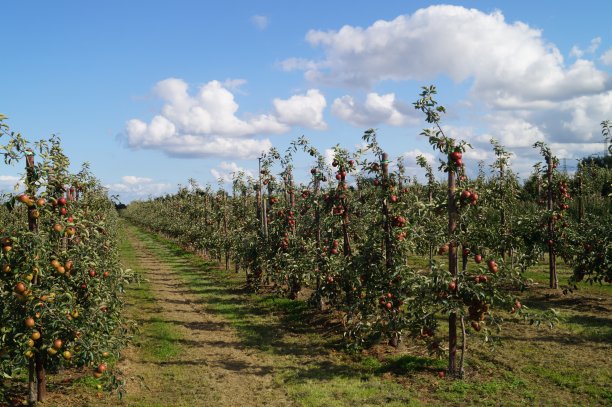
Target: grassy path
pixel 203 341
pixel 187 356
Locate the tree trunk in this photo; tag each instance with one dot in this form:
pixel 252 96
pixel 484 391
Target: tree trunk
pixel 319 264
pixel 385 211
pixel 452 268
pixel 552 263
pixel 580 203
pixel 36 368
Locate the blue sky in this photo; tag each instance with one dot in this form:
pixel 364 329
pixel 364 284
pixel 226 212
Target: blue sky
pixel 152 93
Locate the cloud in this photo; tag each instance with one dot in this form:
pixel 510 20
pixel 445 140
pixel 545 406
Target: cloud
pixel 133 180
pixel 518 82
pixel 234 85
pixel 410 157
pixel 260 22
pixel 206 124
pixel 374 110
pixel 606 58
pixel 226 170
pixel 511 63
pixel 8 182
pixel 577 52
pixel 329 156
pixel 133 187
pixel 595 43
pixel 304 110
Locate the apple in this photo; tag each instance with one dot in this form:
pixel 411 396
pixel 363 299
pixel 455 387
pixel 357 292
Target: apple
pixel 452 286
pixel 35 336
pixel 24 198
pixel 456 156
pixel 57 344
pixel 465 195
pixel 61 201
pixel 67 355
pixel 389 305
pixel 393 198
pixel 20 288
pixel 441 374
pixel 101 367
pixel 29 322
pixel 330 279
pixel 492 265
pixel 92 273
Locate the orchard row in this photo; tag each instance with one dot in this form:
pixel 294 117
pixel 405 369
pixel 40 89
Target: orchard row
pixel 60 275
pixel 353 236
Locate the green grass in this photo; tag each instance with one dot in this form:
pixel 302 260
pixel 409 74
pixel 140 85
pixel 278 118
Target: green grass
pixel 160 341
pixel 157 339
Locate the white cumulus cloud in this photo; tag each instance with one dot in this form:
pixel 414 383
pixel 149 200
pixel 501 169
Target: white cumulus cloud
pixel 226 170
pixel 506 61
pixel 606 58
pixel 207 123
pixel 132 187
pixel 303 110
pixel 374 110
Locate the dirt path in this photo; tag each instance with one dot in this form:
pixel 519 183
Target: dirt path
pixel 212 367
